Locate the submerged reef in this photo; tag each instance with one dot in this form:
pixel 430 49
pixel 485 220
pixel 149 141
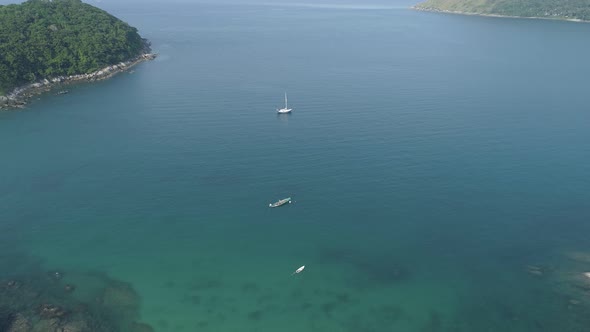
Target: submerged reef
pixel 68 301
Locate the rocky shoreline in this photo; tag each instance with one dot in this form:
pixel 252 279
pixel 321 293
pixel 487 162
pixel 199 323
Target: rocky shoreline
pixel 444 11
pixel 18 97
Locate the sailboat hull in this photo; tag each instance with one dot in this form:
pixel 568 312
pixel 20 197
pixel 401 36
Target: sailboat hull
pixel 285 109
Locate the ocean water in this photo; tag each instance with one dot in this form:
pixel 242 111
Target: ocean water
pixel 438 166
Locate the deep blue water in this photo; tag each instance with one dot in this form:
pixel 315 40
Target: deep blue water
pixel 431 159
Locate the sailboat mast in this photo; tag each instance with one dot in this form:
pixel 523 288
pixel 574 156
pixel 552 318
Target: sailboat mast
pixel 285 100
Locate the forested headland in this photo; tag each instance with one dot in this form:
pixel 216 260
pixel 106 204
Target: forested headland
pixel 550 9
pixel 48 38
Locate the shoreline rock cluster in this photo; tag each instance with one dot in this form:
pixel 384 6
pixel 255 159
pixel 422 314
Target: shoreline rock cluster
pixel 18 97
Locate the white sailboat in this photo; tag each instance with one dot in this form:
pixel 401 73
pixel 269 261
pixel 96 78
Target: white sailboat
pixel 285 109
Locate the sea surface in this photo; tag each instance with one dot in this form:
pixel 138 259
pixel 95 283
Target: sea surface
pixel 439 167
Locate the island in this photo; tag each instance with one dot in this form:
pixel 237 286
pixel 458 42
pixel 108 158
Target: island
pixel 49 43
pixel 573 10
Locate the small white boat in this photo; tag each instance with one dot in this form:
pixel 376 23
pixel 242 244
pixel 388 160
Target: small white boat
pixel 298 270
pixel 280 202
pixel 286 109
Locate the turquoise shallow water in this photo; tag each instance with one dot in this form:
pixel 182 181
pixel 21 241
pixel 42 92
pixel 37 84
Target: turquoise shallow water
pixel 431 158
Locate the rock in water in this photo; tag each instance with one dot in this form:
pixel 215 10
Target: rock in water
pixel 121 298
pixel 76 326
pixel 69 288
pixel 534 270
pixel 49 311
pixel 141 327
pixel 574 302
pixel 19 324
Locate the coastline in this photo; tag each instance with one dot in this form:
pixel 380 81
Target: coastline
pixel 19 96
pixel 444 11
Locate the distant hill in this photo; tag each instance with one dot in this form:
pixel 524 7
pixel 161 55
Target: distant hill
pixel 558 9
pixel 47 38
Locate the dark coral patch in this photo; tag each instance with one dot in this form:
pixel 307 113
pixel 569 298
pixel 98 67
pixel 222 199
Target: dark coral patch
pixel 255 315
